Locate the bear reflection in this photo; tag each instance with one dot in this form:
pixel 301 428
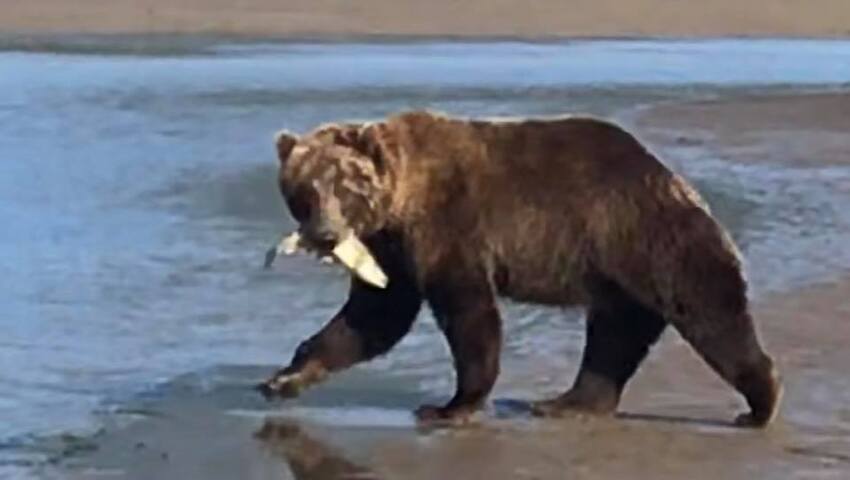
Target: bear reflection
pixel 308 458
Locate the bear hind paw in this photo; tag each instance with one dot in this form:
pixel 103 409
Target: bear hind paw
pixel 573 403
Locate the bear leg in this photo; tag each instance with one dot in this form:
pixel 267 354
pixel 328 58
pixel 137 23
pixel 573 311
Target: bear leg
pixel 619 334
pixel 470 320
pixel 370 324
pixel 729 345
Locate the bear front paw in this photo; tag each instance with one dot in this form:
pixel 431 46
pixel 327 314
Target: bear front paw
pixel 750 420
pixel 292 380
pixel 281 385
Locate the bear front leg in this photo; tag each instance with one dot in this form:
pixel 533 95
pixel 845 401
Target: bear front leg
pixel 467 314
pixel 334 347
pixel 371 322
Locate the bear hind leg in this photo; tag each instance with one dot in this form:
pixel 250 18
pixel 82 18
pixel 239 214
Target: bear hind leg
pixel 619 335
pixel 729 345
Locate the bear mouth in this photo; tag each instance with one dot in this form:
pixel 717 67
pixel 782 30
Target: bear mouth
pixel 349 251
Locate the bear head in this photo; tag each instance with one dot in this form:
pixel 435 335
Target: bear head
pixel 336 182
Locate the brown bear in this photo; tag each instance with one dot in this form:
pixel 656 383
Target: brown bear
pixel 567 211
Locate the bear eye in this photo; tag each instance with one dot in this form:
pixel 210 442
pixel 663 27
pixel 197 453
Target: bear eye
pixel 302 202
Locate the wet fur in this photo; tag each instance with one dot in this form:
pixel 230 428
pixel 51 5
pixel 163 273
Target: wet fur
pixel 569 211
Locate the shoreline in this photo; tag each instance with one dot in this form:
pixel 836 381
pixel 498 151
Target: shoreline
pixel 402 37
pixel 23 36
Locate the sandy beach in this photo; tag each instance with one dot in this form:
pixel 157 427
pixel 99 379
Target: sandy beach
pixel 536 18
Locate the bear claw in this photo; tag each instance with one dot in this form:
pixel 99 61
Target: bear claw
pixel 547 408
pixel 573 403
pixel 281 386
pixel 432 414
pixel 748 420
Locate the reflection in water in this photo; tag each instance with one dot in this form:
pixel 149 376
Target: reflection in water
pixel 308 458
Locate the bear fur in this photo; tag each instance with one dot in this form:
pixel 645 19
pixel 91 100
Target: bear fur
pixel 567 211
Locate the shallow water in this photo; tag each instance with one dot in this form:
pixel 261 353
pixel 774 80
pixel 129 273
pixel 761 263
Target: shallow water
pixel 137 197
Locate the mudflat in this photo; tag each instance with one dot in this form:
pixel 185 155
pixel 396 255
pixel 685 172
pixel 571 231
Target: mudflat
pixel 534 18
pixel 794 130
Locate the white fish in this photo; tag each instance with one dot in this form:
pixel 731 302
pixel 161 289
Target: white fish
pixel 349 251
pixel 287 245
pixel 353 254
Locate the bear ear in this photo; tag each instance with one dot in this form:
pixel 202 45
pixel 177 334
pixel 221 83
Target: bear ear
pixel 339 133
pixel 285 142
pixel 377 142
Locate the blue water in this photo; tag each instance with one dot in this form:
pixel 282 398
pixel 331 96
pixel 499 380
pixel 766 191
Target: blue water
pixel 137 195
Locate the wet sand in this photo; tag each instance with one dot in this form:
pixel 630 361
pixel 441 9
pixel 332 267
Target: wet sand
pixel 793 130
pixel 674 423
pixel 674 420
pixel 536 18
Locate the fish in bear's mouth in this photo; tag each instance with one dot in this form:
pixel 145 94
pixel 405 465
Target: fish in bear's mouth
pixel 350 252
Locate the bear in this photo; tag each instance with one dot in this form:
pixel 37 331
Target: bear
pixel 569 211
